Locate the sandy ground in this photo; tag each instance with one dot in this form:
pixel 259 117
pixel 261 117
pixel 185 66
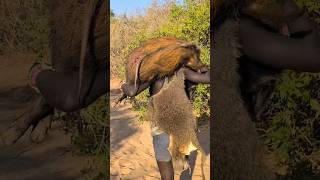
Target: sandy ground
pixel 51 159
pixel 131 153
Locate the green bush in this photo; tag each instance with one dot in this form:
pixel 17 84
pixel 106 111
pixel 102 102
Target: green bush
pixel 291 122
pixel 189 21
pixel 312 6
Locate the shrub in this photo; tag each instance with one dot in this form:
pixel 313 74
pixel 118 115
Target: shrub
pixel 290 125
pixel 189 21
pixel 24 27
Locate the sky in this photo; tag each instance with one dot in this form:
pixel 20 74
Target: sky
pixel 130 7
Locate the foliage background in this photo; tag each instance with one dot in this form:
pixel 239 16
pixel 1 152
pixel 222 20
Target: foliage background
pixel 189 21
pixel 290 125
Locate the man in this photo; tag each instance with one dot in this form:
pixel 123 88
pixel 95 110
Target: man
pixel 161 139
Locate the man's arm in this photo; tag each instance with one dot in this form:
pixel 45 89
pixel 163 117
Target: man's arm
pixel 129 90
pixel 197 77
pixel 280 51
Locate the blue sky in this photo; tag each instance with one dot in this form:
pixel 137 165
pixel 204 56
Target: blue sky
pixel 130 7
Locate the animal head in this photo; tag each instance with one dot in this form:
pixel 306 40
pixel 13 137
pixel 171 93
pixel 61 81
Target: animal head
pixel 192 60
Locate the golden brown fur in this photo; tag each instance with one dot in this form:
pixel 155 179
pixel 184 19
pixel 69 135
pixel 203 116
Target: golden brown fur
pixel 166 60
pixel 172 112
pixel 161 57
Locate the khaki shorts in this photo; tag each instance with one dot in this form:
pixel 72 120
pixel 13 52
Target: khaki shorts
pixel 161 141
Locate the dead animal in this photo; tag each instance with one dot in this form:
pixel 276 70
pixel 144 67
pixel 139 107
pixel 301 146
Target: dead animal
pixel 157 58
pixel 171 111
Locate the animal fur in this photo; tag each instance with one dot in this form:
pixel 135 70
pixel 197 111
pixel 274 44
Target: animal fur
pixel 269 12
pixel 235 147
pixel 79 37
pixel 67 20
pixel 85 39
pixel 172 112
pixel 160 57
pixel 240 89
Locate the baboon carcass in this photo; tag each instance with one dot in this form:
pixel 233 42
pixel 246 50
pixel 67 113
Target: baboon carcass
pixel 78 32
pixel 157 58
pixel 67 21
pixel 242 84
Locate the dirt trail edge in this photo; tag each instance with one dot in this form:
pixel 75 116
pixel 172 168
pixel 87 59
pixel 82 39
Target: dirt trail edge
pixel 132 155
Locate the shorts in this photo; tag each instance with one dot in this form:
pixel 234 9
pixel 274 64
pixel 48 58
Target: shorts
pixel 161 141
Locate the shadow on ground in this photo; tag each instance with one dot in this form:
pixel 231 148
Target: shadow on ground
pixel 51 159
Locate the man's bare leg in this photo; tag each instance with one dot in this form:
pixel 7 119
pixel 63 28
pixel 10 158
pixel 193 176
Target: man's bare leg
pixel 166 170
pixel 161 143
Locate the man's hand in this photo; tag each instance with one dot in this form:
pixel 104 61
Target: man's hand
pixel 197 77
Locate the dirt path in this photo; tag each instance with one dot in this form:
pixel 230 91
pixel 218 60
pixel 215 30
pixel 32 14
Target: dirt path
pixel 131 153
pixel 51 159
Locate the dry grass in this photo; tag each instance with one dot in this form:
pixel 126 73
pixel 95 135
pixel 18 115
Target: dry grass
pixel 24 26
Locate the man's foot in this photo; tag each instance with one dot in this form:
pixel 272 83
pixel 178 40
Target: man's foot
pixel 166 170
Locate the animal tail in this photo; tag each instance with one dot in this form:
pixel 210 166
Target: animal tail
pixel 85 40
pixel 136 79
